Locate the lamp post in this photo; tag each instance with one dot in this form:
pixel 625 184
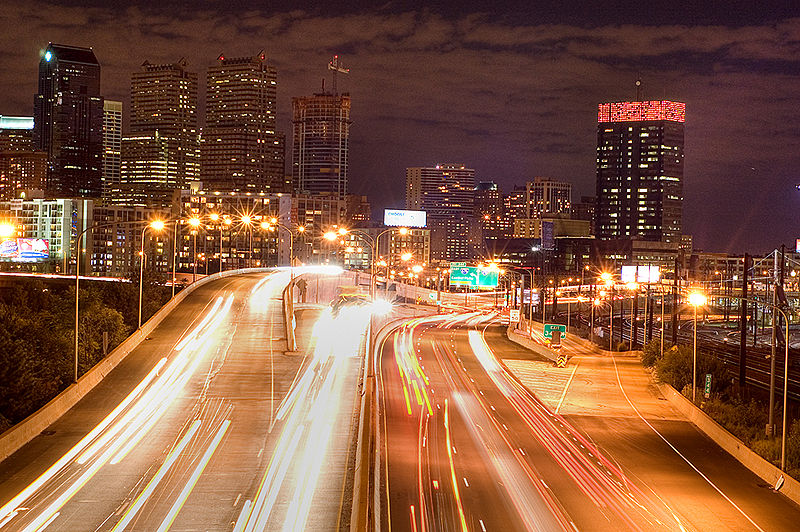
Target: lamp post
pixel 696 299
pixel 634 288
pixel 156 225
pixel 195 223
pixel 248 221
pixel 77 280
pixel 300 229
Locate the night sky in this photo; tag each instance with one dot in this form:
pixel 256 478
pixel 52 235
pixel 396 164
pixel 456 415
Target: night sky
pixel 508 88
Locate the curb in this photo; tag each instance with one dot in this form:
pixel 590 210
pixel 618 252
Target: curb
pixel 731 444
pixel 26 430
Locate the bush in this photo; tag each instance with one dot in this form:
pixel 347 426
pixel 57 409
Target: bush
pixel 746 421
pixel 675 368
pixel 651 353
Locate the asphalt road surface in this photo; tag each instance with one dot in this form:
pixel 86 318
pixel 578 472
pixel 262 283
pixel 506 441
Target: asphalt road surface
pixel 208 425
pixel 464 445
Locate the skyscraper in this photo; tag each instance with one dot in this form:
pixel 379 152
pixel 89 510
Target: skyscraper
pixel 162 151
pixel 640 170
pixel 241 150
pixel 21 167
pixel 112 146
pixel 321 143
pixel 547 197
pixel 446 193
pixel 68 120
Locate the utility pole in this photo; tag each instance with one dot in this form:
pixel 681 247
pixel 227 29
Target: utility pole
pixel 675 304
pixel 773 345
pixel 743 329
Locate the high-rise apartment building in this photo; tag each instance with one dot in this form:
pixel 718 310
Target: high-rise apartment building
pixel 640 170
pixel 68 120
pixel 161 152
pixel 21 167
pixel 321 143
pixel 241 149
pixel 490 212
pixel 546 197
pixel 446 193
pixel 112 146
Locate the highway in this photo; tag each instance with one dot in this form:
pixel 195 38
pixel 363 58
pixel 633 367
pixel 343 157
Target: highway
pixel 462 444
pixel 208 425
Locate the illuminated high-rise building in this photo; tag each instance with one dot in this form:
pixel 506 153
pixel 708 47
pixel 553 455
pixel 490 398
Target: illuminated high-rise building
pixel 112 146
pixel 68 120
pixel 321 143
pixel 546 197
pixel 241 149
pixel 161 152
pixel 640 170
pixel 446 192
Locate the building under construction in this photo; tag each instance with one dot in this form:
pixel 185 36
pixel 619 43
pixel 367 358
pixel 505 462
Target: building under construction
pixel 321 140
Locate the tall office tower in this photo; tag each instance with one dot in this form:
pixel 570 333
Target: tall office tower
pixel 21 168
pixel 321 141
pixel 162 150
pixel 446 193
pixel 547 197
pixel 516 203
pixel 68 120
pixel 112 147
pixel 640 170
pixel 241 150
pixel 490 212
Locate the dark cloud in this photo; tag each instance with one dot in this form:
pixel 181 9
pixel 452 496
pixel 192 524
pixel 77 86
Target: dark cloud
pixel 512 96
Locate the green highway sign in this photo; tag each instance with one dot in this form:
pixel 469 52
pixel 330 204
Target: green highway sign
pixel 550 327
pixel 458 264
pixel 474 277
pixel 707 390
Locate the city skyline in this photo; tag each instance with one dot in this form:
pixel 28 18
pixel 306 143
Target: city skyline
pixel 524 102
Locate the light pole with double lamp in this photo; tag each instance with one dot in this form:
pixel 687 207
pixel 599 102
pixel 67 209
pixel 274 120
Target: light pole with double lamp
pixel 273 222
pixel 373 244
pixel 78 271
pixel 696 299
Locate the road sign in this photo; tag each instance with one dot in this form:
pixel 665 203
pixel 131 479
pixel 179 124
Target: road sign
pixel 513 315
pixel 432 295
pixel 458 264
pixel 707 391
pixel 473 277
pixel 561 360
pixel 550 327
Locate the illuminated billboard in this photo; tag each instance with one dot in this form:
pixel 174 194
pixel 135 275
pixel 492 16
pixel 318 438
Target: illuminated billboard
pixel 24 249
pixel 403 218
pixel 640 274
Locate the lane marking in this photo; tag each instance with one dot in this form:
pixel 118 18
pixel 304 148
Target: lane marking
pixel 703 476
pixel 160 474
pixel 187 489
pixel 566 387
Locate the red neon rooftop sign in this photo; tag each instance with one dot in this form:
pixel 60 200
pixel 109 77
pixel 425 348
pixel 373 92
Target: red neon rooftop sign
pixel 641 111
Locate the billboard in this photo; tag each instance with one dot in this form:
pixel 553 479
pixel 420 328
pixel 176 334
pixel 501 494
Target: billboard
pixel 24 249
pixel 640 274
pixel 404 218
pixel 474 277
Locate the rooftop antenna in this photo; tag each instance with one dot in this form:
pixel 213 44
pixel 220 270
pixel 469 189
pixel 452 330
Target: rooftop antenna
pixel 336 67
pixel 639 89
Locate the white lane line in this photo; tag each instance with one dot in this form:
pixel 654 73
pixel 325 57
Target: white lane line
pixel 187 489
pixel 708 480
pixel 160 474
pixel 564 393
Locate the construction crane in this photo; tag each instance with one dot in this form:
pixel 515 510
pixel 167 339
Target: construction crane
pixel 336 67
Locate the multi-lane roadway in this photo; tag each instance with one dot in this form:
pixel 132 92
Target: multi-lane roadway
pixel 208 425
pixel 463 445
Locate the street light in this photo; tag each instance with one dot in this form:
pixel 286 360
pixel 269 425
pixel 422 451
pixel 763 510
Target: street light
pixel 195 223
pixel 248 221
pixel 7 230
pixel 696 299
pixel 156 225
pixel 634 288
